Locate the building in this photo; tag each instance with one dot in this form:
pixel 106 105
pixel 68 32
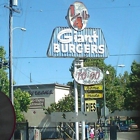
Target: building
pixel 42 95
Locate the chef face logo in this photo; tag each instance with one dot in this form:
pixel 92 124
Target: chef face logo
pixel 77 16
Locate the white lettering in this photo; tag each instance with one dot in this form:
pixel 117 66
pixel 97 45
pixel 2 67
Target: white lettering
pixel 94 49
pixel 63 38
pixel 88 38
pixel 75 43
pixel 79 48
pixel 101 49
pixel 94 36
pixel 80 38
pixel 67 39
pixel 64 48
pixel 87 48
pixel 75 36
pixel 56 48
pixel 71 48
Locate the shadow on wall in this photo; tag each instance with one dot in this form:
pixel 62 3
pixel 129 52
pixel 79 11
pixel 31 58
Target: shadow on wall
pixel 48 129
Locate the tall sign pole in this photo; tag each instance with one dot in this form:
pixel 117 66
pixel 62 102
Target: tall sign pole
pixel 79 42
pixel 82 106
pixel 76 103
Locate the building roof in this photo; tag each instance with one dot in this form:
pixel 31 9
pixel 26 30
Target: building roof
pixel 38 86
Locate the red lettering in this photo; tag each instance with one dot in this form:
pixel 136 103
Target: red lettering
pixel 97 75
pixel 83 75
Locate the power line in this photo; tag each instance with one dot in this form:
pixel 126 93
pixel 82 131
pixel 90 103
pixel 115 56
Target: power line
pixel 38 57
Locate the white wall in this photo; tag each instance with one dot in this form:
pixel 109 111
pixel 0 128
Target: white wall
pixel 59 94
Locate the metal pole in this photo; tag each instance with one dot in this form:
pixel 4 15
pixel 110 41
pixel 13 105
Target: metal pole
pixel 76 104
pixel 105 106
pixel 10 55
pixel 104 98
pixel 82 107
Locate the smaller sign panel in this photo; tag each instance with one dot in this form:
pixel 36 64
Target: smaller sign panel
pixel 88 75
pixel 90 105
pixel 93 95
pixel 40 93
pixel 93 87
pixel 37 103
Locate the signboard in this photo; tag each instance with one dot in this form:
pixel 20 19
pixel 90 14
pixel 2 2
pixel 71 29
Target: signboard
pixel 37 103
pixel 40 93
pixel 77 16
pixel 93 95
pixel 73 116
pixel 88 43
pixel 90 105
pixel 88 75
pixel 93 87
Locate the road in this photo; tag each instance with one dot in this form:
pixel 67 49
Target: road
pixel 134 135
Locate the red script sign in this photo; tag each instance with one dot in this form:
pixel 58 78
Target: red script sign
pixel 88 75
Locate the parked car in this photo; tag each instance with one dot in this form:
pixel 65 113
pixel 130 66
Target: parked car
pixel 123 127
pixel 133 126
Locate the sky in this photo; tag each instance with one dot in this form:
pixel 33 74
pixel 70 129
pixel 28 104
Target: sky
pixel 118 19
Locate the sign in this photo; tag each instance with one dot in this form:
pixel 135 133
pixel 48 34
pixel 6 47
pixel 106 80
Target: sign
pixel 39 92
pixel 90 105
pixel 93 87
pixel 97 105
pixel 73 117
pixel 104 111
pixel 88 43
pixel 88 75
pixel 36 134
pixel 93 95
pixel 37 102
pixel 77 16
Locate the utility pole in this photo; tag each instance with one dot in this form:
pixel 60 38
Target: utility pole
pixel 11 10
pixel 10 52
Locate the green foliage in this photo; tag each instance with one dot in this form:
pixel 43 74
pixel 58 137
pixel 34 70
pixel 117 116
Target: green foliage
pixel 115 86
pixel 122 91
pixel 64 105
pixel 132 93
pixel 22 103
pixel 21 99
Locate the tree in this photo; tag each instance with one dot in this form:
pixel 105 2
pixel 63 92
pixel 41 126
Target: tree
pixel 113 90
pixel 21 103
pixel 64 105
pixel 21 99
pixel 117 88
pixel 132 93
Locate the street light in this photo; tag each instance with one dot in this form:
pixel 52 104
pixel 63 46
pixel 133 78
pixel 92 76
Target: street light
pixel 21 28
pixel 11 95
pixel 105 73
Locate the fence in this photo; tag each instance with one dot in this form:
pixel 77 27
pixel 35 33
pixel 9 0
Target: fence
pixel 24 132
pixel 21 131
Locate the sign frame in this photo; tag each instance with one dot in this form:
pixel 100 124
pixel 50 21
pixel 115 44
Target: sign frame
pixel 88 75
pixel 89 104
pixel 80 45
